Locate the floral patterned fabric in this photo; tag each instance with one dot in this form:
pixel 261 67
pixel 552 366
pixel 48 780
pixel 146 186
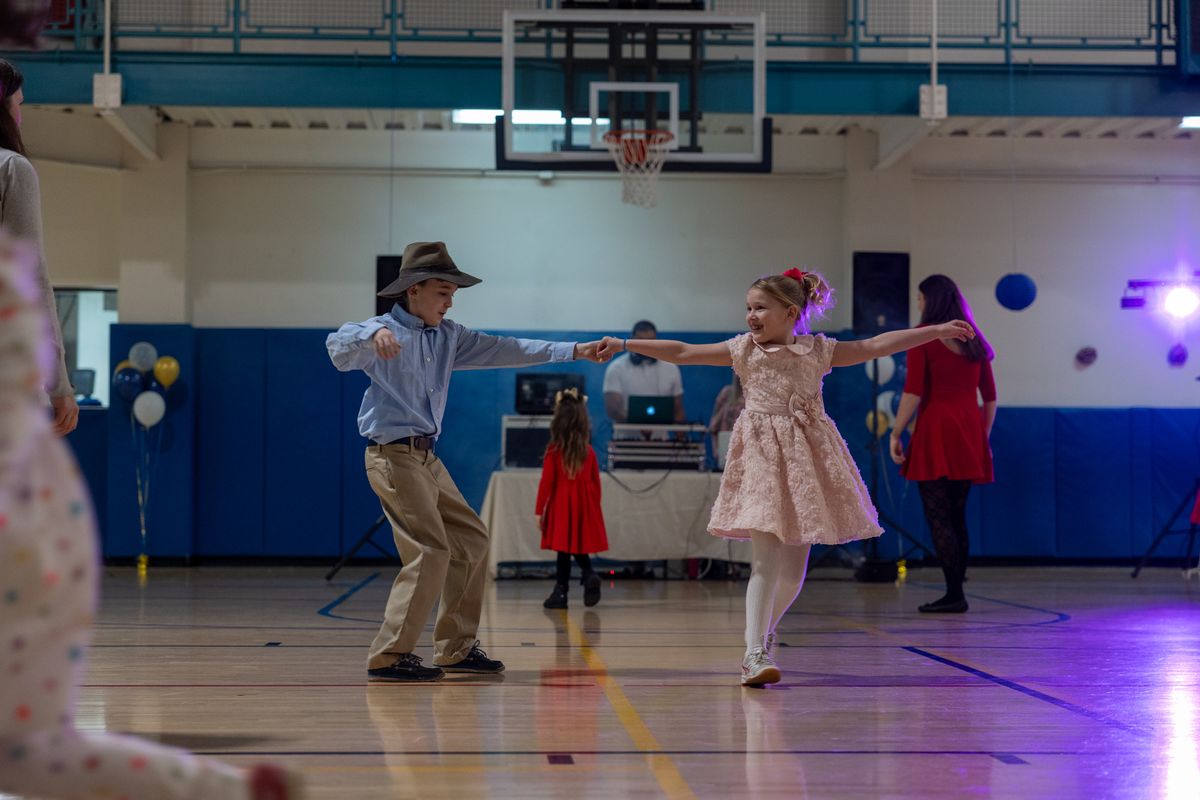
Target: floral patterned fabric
pixel 789 472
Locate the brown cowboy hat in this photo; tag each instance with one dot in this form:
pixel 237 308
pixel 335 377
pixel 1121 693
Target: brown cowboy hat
pixel 425 260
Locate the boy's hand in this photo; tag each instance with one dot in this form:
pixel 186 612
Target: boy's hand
pixel 956 330
pixel 591 352
pixel 610 346
pixel 386 346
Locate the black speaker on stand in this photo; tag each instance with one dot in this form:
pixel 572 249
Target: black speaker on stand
pixel 880 304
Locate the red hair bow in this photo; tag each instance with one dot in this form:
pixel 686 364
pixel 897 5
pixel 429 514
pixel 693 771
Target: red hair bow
pixel 795 273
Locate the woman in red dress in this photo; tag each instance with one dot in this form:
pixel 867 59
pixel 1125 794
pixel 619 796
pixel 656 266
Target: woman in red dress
pixel 949 450
pixel 568 501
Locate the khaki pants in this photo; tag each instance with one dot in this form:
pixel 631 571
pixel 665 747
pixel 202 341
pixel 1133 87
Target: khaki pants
pixel 444 546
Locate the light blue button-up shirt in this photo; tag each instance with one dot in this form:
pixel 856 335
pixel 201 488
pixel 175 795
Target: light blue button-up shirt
pixel 407 395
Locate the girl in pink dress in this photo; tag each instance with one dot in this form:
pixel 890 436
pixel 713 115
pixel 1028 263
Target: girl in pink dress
pixel 789 480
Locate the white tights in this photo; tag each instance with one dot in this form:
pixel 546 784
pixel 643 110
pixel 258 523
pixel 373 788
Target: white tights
pixel 776 576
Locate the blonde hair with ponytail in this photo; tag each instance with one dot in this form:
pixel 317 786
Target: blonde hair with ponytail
pixel 808 291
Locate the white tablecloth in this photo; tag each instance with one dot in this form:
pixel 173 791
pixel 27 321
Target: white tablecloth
pixel 650 517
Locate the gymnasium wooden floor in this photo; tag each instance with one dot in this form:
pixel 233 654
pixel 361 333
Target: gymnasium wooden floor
pixel 1059 683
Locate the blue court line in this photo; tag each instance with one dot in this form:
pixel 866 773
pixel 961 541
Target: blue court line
pixel 327 611
pixel 1034 693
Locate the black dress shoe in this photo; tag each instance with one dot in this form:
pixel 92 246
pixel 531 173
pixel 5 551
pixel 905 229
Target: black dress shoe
pixel 591 589
pixel 406 668
pixel 944 606
pixel 557 598
pixel 476 661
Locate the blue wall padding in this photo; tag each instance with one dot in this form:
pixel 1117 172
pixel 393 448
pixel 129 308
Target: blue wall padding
pixel 231 413
pixel 276 464
pixel 89 442
pixel 1175 459
pixel 171 514
pixel 302 487
pixel 1093 506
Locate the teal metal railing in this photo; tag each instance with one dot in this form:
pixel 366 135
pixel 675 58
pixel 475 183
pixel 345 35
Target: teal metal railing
pixel 1012 28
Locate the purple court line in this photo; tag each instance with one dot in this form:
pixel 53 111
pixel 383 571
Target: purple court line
pixel 1035 694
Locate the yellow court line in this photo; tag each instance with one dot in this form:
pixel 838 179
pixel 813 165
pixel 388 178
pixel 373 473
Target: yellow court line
pixel 669 778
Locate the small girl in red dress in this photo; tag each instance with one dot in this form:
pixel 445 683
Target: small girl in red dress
pixel 568 501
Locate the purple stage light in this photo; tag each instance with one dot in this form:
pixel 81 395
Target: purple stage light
pixel 1181 302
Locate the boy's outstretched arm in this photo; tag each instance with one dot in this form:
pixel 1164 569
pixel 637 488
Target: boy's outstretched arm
pixel 713 355
pixel 847 354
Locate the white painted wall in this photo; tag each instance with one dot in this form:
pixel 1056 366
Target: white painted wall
pixel 81 214
pixel 282 230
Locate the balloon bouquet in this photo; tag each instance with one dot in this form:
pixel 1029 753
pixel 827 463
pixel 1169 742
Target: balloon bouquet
pixel 143 380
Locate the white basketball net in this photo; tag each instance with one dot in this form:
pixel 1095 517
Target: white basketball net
pixel 639 156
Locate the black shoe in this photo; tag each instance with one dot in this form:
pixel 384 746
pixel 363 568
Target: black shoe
pixel 476 661
pixel 591 589
pixel 944 606
pixel 406 668
pixel 557 598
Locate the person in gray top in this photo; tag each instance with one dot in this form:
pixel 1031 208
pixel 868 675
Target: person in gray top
pixel 21 217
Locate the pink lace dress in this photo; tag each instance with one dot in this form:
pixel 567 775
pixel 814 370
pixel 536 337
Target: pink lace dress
pixel 789 472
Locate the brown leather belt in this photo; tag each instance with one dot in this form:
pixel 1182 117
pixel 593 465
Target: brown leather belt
pixel 415 442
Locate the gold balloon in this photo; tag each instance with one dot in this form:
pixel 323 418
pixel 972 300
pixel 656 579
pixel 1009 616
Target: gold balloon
pixel 879 422
pixel 166 371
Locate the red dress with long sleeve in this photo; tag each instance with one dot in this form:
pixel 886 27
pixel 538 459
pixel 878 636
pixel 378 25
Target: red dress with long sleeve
pixel 571 506
pixel 950 440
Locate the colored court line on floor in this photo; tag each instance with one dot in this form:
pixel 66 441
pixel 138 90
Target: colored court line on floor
pixel 669 778
pixel 1057 616
pixel 327 611
pixel 1034 693
pixel 978 672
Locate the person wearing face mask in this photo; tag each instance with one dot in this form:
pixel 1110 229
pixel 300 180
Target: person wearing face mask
pixel 640 375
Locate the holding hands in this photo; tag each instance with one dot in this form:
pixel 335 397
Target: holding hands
pixel 610 346
pixel 593 351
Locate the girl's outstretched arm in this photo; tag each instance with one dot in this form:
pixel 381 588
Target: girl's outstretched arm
pixel 846 354
pixel 713 355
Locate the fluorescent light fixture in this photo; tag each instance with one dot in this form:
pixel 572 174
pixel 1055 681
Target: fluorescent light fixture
pixel 487 116
pixel 1191 123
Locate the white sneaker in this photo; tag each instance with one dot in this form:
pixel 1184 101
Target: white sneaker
pixel 758 669
pixel 769 644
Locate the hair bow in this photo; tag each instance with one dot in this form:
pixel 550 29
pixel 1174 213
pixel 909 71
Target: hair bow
pixel 795 273
pixel 572 393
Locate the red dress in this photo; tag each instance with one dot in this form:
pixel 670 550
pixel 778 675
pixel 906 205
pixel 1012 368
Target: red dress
pixel 571 506
pixel 950 440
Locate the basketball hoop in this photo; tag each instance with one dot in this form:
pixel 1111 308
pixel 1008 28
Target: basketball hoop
pixel 639 155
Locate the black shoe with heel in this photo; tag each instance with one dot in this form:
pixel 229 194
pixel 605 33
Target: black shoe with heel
pixel 591 589
pixel 557 598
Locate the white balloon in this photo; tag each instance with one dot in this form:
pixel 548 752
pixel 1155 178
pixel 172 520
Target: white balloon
pixel 884 401
pixel 142 356
pixel 148 408
pixel 887 369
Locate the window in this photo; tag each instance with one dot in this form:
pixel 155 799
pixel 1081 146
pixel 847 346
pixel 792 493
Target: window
pixel 85 316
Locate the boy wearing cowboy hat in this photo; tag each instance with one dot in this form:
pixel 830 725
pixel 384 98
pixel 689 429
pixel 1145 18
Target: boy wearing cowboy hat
pixel 409 355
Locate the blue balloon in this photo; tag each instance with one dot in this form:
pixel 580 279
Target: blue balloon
pixel 152 385
pixel 896 403
pixel 128 383
pixel 1016 291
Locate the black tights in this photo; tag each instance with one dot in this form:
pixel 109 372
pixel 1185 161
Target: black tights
pixel 945 504
pixel 563 572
